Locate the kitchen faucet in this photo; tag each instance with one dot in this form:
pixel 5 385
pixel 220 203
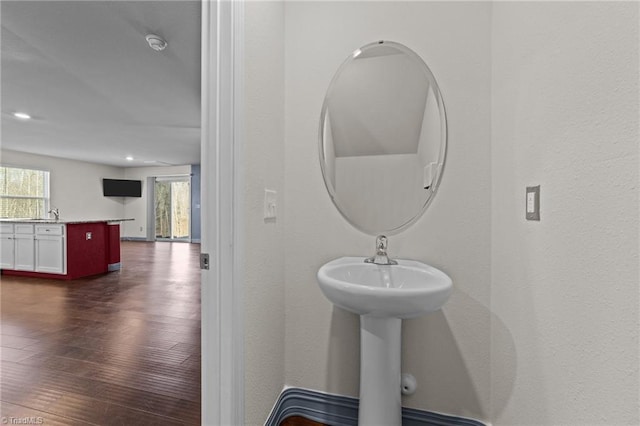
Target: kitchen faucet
pixel 56 213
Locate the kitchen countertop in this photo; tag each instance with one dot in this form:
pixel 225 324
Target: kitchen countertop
pixel 63 221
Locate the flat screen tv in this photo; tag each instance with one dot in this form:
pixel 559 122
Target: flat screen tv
pixel 121 188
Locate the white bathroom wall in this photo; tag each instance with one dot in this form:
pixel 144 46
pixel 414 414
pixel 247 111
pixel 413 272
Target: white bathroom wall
pixel 447 351
pixel 565 289
pixel 400 193
pixel 263 161
pixel 136 208
pixel 76 186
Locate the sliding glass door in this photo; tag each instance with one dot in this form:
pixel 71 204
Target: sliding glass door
pixel 173 208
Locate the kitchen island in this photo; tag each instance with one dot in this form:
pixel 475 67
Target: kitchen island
pixel 59 249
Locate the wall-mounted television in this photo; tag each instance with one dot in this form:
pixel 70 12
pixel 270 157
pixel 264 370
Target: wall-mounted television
pixel 121 188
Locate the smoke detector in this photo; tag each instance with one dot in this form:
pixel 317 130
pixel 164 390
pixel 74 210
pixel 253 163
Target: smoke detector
pixel 157 43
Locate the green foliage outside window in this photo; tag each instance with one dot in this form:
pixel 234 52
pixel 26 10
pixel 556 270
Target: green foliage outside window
pixel 24 193
pixel 172 204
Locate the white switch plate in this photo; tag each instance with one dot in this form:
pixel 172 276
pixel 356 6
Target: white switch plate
pixel 88 236
pixel 270 205
pixel 532 211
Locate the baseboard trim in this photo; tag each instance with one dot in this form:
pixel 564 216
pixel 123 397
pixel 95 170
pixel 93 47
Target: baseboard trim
pixel 338 410
pixel 193 241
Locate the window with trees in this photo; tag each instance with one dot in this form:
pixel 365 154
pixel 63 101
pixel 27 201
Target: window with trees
pixel 24 193
pixel 173 207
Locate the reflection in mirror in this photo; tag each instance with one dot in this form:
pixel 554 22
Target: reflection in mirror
pixel 382 138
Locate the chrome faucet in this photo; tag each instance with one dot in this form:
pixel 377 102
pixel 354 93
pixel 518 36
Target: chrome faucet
pixel 56 213
pixel 381 257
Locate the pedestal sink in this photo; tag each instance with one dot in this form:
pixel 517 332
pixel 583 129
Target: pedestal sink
pixel 382 295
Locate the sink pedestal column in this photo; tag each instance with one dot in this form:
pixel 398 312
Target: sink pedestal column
pixel 380 362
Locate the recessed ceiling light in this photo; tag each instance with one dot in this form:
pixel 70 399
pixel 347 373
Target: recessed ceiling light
pixel 21 115
pixel 129 158
pixel 157 43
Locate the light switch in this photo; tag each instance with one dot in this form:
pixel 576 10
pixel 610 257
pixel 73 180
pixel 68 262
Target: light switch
pixel 88 235
pixel 270 205
pixel 533 203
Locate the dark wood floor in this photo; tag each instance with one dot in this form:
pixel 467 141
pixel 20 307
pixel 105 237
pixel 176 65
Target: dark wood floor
pixel 299 421
pixel 116 349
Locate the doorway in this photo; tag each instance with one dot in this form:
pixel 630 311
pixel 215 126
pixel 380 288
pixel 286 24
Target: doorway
pixel 172 208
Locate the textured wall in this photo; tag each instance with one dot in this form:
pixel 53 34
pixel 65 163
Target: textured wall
pixel 263 168
pixel 565 289
pixel 76 186
pixel 447 351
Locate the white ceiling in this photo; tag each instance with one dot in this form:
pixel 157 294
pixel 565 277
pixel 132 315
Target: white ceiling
pixel 95 89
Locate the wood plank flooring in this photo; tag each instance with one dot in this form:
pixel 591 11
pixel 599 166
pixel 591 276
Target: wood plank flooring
pixel 299 421
pixel 115 349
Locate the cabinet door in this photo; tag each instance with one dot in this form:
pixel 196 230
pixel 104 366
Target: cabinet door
pixel 50 254
pixel 25 254
pixel 7 259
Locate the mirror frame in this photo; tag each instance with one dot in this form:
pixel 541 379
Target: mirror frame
pixel 443 137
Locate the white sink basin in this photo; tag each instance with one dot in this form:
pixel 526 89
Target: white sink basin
pixel 406 290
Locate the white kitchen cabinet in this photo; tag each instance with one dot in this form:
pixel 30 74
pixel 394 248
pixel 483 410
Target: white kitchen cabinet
pixel 18 248
pixel 7 249
pixel 25 252
pixel 50 249
pixel 24 247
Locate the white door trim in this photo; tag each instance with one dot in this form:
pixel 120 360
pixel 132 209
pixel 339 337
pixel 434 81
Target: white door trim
pixel 222 212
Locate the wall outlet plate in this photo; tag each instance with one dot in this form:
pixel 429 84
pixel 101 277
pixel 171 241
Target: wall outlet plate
pixel 532 203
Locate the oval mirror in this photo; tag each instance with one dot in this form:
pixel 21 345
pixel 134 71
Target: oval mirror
pixel 383 138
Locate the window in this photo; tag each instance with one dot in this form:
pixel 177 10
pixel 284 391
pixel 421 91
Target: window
pixel 24 193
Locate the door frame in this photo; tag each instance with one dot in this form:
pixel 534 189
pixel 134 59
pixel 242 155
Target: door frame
pixel 222 212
